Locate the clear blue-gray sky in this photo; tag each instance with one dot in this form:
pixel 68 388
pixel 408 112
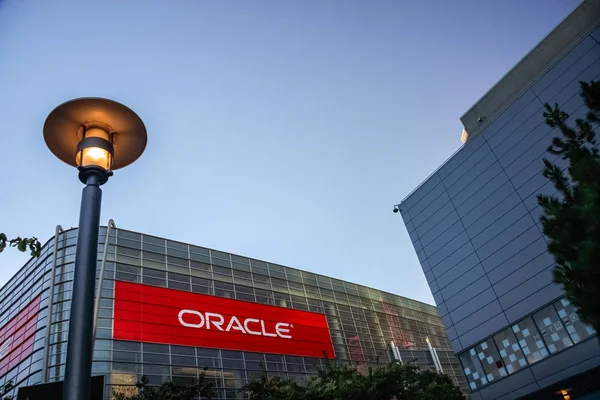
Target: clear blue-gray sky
pixel 280 130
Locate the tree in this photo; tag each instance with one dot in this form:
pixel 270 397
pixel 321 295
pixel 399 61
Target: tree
pixel 199 389
pixel 342 382
pixel 6 388
pixel 336 382
pixel 571 218
pixel 269 388
pixel 22 244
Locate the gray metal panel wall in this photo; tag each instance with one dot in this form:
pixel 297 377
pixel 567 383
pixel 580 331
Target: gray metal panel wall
pixel 475 222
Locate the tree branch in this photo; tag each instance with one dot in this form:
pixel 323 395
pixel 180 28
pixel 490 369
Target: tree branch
pixel 22 244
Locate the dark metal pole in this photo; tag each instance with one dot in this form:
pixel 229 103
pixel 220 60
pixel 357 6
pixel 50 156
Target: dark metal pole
pixel 78 373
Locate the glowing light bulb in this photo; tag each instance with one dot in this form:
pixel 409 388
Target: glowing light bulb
pixel 94 156
pixel 96 153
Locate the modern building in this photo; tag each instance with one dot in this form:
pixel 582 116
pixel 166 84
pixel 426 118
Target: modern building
pixel 474 224
pixel 168 309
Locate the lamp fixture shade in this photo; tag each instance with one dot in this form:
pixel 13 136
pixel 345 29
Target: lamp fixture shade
pixel 66 126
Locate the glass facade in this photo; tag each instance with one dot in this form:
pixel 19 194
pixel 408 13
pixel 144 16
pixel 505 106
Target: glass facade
pixel 363 322
pixel 547 331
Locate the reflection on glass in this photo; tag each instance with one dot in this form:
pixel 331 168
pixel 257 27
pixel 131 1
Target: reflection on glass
pixel 530 340
pixel 473 369
pixel 490 359
pixel 577 329
pixel 552 329
pixel 510 351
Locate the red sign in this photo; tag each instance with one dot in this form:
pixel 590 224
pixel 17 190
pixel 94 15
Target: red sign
pixel 158 315
pixel 17 336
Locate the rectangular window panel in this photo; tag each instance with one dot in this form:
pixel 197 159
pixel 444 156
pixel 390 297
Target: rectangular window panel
pixel 233 364
pixel 181 360
pixel 183 351
pixel 473 369
pixel 178 277
pixel 510 351
pixel 208 362
pixel 244 296
pixel 576 328
pixel 154 278
pixel 156 245
pixel 552 329
pixel 156 358
pixel 154 256
pixel 530 340
pixel 179 286
pixel 201 289
pixel 490 359
pixel 200 266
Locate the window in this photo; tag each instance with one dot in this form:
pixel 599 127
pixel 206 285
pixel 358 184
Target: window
pixel 282 300
pixel 577 329
pixel 510 351
pixel 309 278
pixel 126 273
pixel 126 356
pixel 200 266
pixel 197 255
pixel 154 277
pixel 201 285
pixel 154 244
pixel 552 329
pixel 264 296
pixel 223 289
pixel 177 249
pixel 177 261
pixel 490 360
pixel 154 260
pixel 293 275
pixel 182 360
pixel 233 364
pixel 156 348
pixel 548 331
pixel 473 369
pixel 208 358
pixel 242 275
pixel 530 340
pixel 179 282
pixel 220 261
pixel 129 239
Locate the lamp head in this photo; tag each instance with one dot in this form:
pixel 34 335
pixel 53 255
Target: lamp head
pixel 396 209
pixel 95 135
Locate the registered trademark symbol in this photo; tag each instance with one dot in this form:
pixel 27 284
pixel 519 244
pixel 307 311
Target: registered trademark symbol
pixel 291 325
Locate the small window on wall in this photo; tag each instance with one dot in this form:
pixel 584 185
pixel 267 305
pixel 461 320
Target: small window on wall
pixel 510 351
pixel 530 340
pixel 223 289
pixel 577 329
pixel 473 369
pixel 552 329
pixel 490 360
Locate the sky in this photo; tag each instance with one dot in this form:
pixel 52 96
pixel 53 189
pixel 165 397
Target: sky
pixel 279 130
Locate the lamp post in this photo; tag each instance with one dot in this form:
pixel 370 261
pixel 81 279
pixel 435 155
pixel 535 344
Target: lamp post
pixel 97 136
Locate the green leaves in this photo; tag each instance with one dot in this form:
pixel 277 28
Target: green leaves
pixel 271 388
pixel 22 244
pixel 334 382
pixel 344 382
pixel 554 116
pixel 571 218
pixel 7 387
pixel 198 389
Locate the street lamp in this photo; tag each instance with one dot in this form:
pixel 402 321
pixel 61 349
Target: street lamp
pixel 97 136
